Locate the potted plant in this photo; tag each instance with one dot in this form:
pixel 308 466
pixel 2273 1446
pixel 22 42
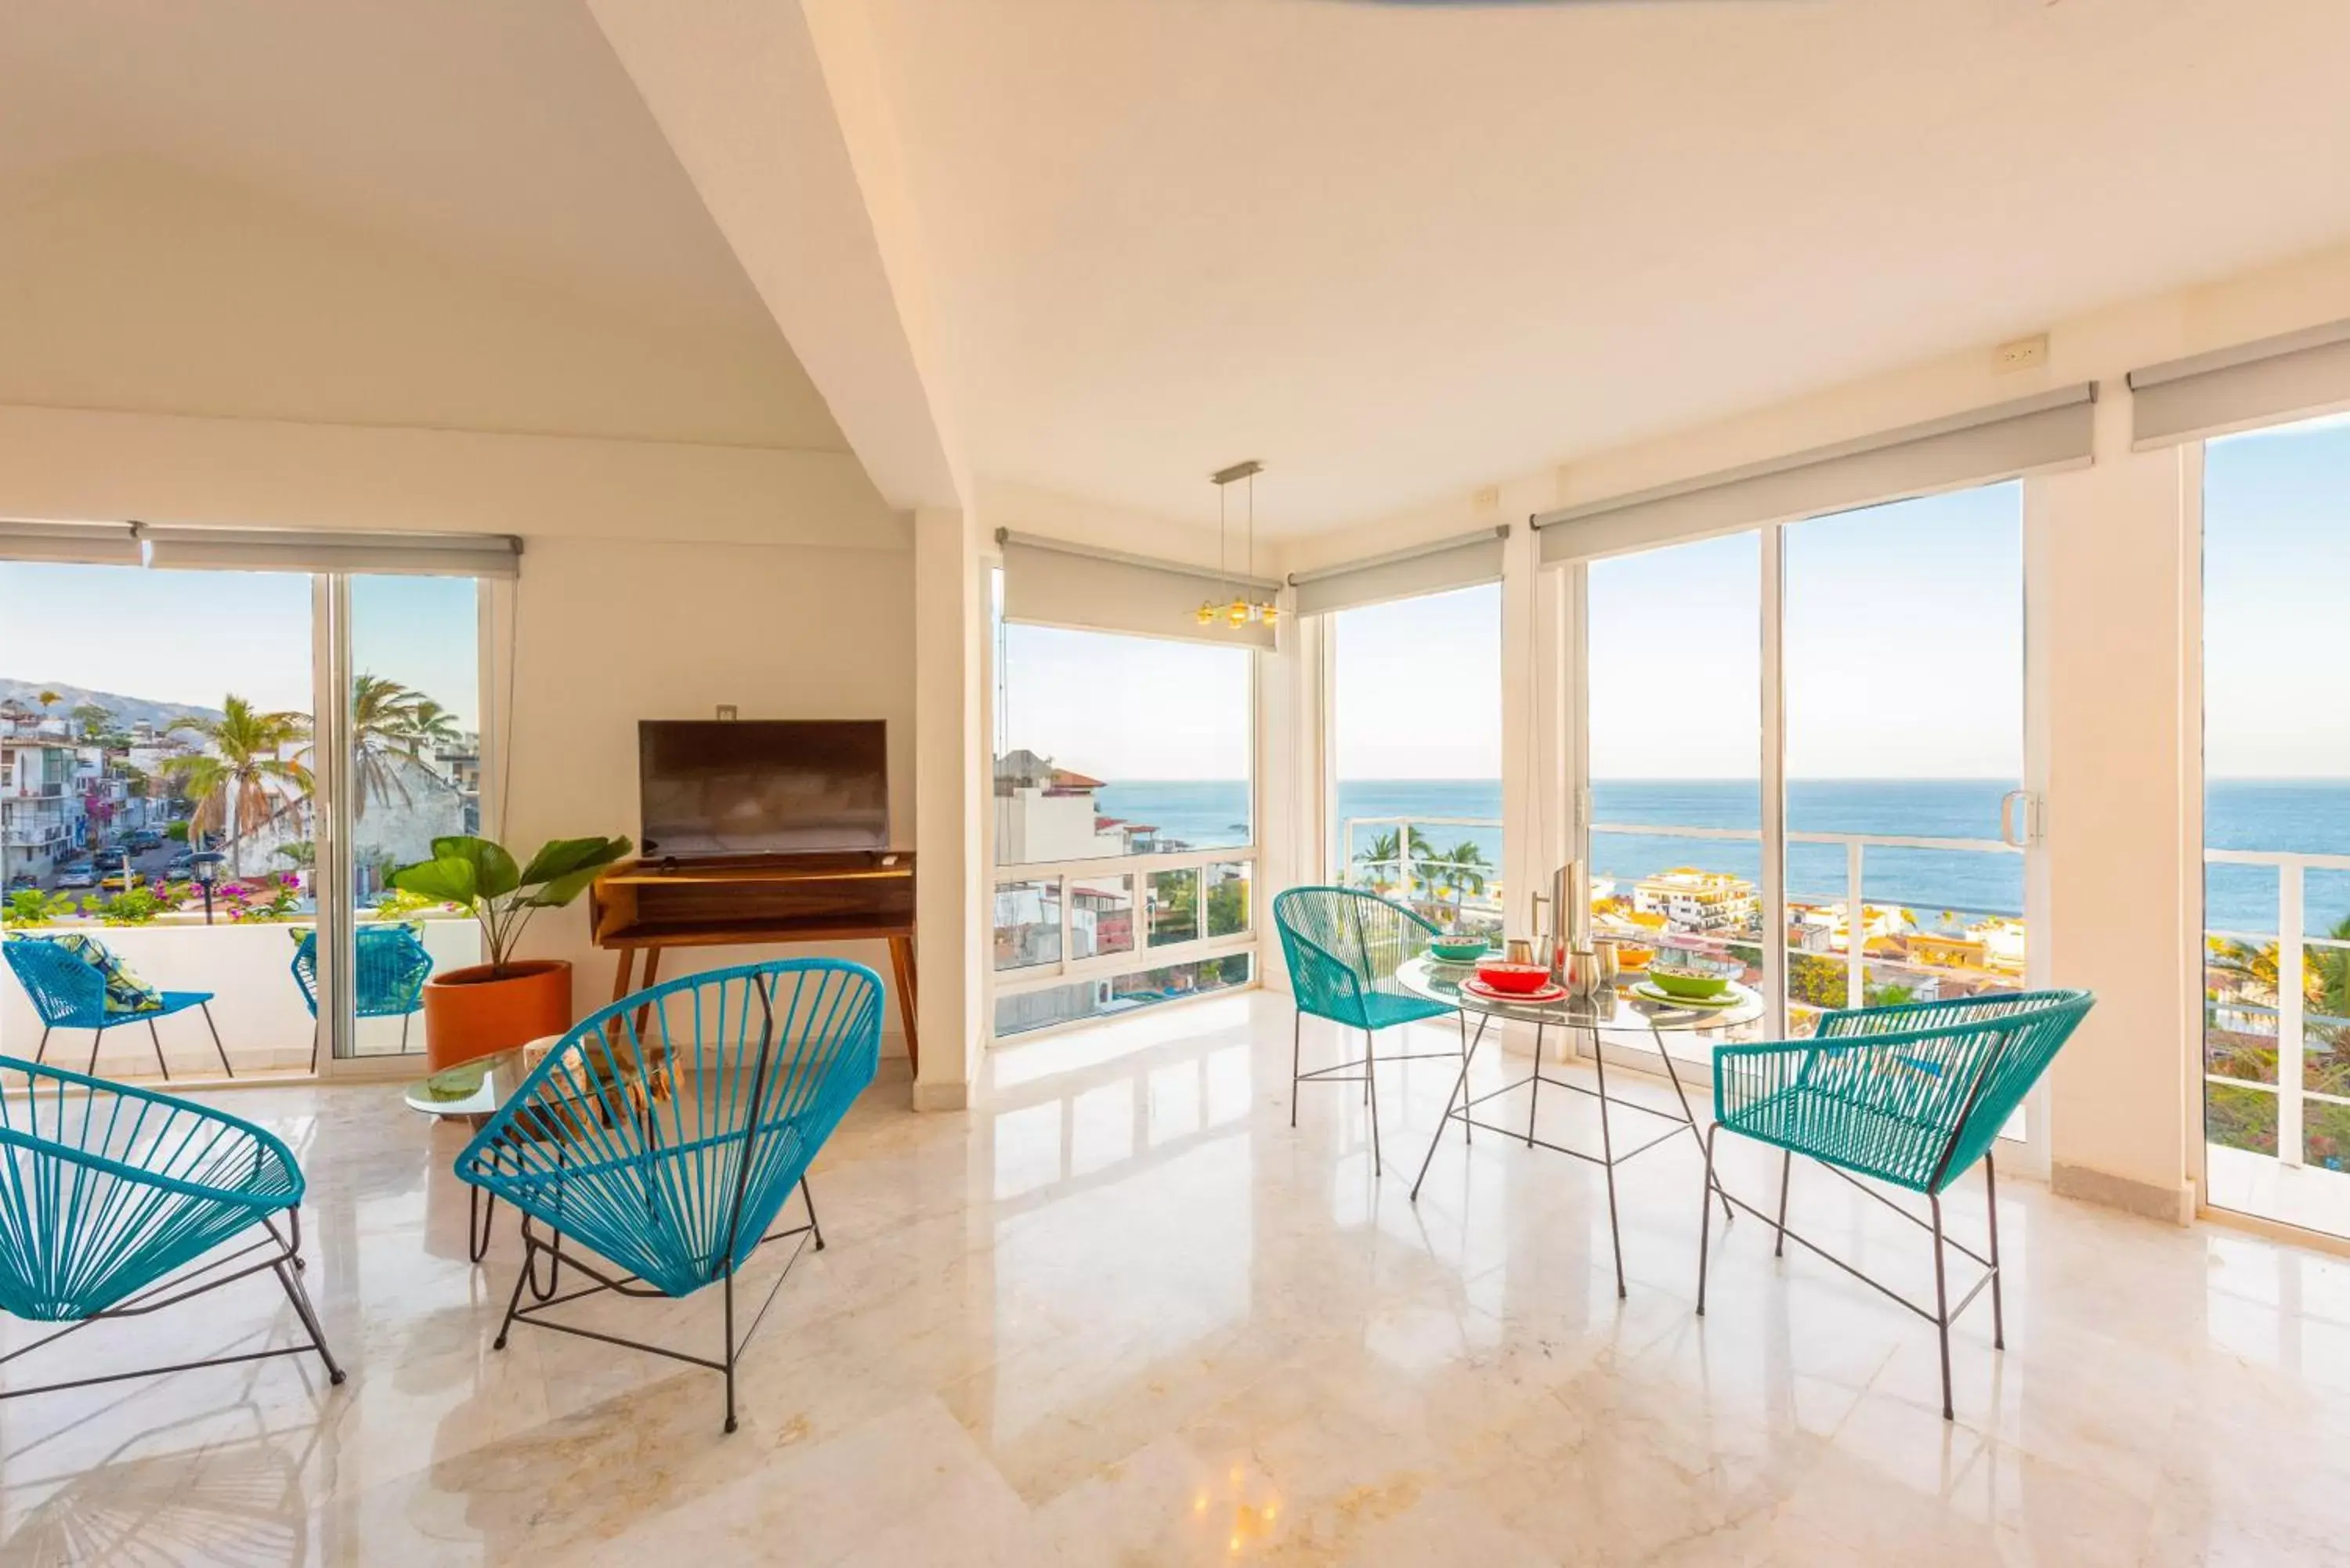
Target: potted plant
pixel 506 1002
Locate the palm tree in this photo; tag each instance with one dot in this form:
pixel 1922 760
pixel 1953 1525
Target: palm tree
pixel 1386 850
pixel 51 698
pixel 383 726
pixel 430 724
pixel 243 780
pixel 1465 868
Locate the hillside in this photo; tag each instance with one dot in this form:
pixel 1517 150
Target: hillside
pixel 126 708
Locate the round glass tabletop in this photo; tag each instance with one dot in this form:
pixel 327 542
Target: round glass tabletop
pixel 478 1087
pixel 1621 1008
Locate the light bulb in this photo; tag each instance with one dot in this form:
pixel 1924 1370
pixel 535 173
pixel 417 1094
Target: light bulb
pixel 1206 613
pixel 1271 612
pixel 1238 614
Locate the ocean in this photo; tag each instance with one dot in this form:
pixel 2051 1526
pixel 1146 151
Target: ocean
pixel 2310 816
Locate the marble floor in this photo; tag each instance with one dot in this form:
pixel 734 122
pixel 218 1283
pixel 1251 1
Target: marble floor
pixel 1123 1315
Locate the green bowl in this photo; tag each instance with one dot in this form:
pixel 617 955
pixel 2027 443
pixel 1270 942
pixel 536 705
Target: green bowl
pixel 1458 949
pixel 1692 983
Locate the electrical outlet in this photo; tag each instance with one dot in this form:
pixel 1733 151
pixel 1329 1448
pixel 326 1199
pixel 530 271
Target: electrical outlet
pixel 1485 498
pixel 727 712
pixel 2019 354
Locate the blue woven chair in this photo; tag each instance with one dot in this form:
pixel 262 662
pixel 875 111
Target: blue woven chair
pixel 392 968
pixel 69 993
pixel 1342 947
pixel 1911 1096
pixel 114 1199
pixel 666 1132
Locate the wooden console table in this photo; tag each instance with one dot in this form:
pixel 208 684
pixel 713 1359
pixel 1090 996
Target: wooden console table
pixel 649 905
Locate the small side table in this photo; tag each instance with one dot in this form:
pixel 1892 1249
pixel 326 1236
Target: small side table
pixel 1440 981
pixel 472 1092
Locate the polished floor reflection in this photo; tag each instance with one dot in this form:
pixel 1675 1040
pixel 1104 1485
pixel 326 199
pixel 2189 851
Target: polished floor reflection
pixel 1124 1315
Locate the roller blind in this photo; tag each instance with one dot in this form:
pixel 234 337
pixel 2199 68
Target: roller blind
pixel 1436 569
pixel 1047 582
pixel 2274 379
pixel 91 543
pixel 2039 434
pixel 290 550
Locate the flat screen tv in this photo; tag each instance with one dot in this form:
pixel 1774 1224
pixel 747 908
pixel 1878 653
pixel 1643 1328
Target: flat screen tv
pixel 781 786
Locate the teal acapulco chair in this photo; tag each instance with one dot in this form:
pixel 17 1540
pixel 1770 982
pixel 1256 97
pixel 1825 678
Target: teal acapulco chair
pixel 671 1177
pixel 392 968
pixel 116 1202
pixel 68 991
pixel 1911 1096
pixel 1342 947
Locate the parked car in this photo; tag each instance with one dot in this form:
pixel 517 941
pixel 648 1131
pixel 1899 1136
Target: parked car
pixel 81 876
pixel 23 882
pixel 145 838
pixel 181 864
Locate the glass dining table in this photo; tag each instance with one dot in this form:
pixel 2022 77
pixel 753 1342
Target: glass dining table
pixel 1611 1010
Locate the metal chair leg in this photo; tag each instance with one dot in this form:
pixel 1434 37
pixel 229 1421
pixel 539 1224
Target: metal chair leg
pixel 522 1277
pixel 207 1009
pixel 43 1046
pixel 1371 1095
pixel 403 1031
pixel 1296 1043
pixel 301 1299
pixel 1705 1217
pixel 96 1040
pixel 813 1228
pixel 316 1024
pixel 160 1066
pixel 1991 1202
pixel 1786 1175
pixel 730 1347
pixel 1942 1306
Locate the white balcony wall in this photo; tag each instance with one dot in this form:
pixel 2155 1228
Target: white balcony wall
pixel 255 1003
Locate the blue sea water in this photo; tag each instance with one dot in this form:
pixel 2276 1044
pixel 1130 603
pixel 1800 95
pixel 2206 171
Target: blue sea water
pixel 2310 816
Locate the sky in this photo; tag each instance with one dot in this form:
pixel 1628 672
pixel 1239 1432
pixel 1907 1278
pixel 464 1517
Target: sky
pixel 2276 591
pixel 194 637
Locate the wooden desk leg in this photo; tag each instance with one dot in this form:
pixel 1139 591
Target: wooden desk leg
pixel 621 976
pixel 902 964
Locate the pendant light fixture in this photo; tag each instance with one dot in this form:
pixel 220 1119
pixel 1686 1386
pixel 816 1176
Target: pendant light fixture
pixel 1243 610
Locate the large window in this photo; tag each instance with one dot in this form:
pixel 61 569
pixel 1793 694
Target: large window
pixel 1124 805
pixel 1899 679
pixel 1416 751
pixel 162 790
pixel 2276 822
pixel 1673 679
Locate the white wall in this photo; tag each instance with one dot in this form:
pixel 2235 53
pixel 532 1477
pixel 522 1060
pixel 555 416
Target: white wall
pixel 609 631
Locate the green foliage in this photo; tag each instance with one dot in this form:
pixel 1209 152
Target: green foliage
pixel 397 904
pixel 177 832
pixel 138 907
pixel 480 875
pixel 1815 981
pixel 31 907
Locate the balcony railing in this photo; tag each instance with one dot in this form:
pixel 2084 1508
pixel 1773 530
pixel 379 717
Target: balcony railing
pixel 1061 926
pixel 2265 1006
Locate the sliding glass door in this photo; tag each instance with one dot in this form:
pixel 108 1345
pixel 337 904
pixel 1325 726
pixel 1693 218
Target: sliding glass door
pixel 1414 747
pixel 175 781
pixel 1673 681
pixel 1868 668
pixel 2276 823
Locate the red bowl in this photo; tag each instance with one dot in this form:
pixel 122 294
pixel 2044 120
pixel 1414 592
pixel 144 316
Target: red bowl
pixel 1516 978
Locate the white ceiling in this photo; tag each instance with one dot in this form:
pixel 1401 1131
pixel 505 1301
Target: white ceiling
pixel 1398 251
pixel 431 211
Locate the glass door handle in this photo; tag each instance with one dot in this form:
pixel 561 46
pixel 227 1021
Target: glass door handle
pixel 2007 819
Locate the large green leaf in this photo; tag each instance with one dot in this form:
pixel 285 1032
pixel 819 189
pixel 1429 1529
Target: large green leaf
pixel 567 866
pixel 449 880
pixel 495 875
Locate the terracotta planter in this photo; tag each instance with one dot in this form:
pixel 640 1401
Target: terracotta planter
pixel 467 1013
